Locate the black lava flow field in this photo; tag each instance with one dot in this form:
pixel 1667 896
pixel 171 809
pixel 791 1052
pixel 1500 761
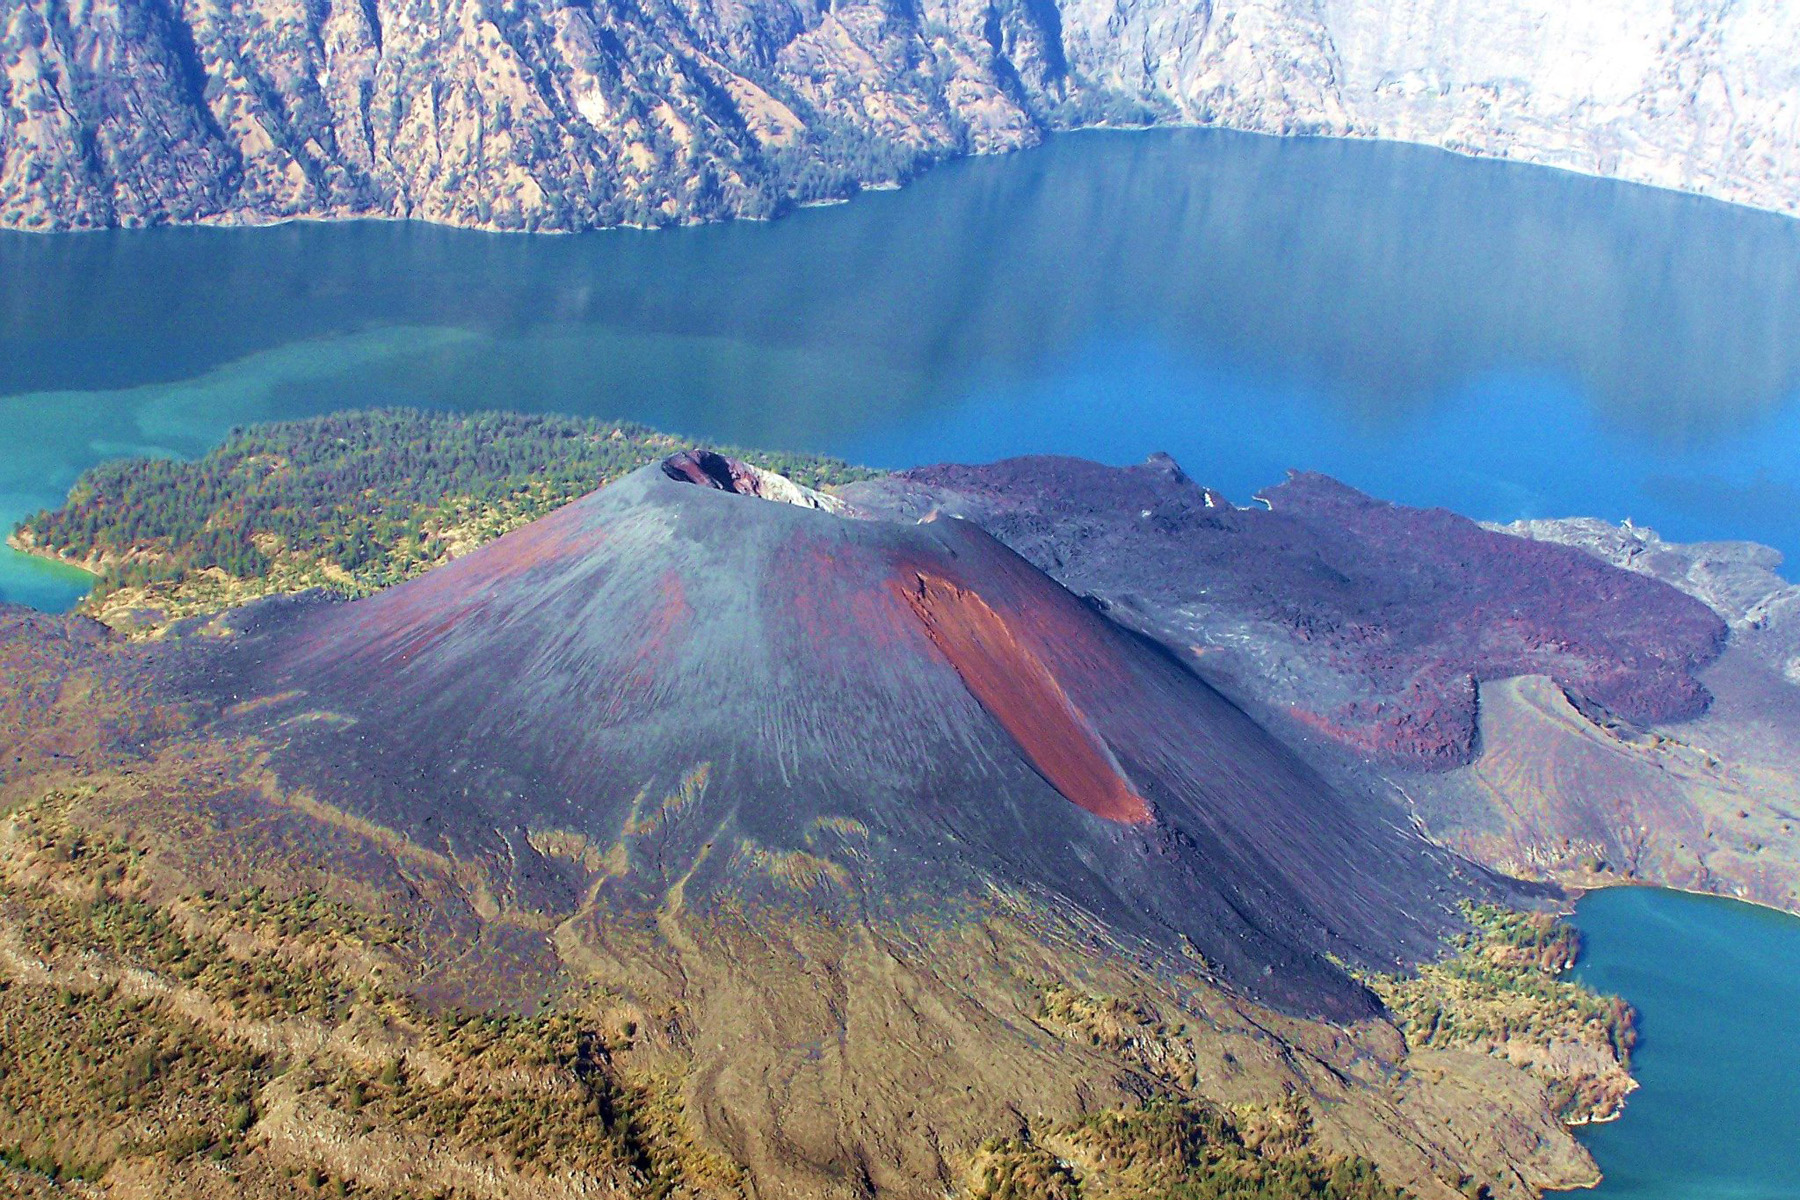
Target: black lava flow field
pixel 685 671
pixel 1371 623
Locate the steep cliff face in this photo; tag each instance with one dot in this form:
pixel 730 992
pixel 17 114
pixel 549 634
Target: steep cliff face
pixel 1700 95
pixel 552 114
pixel 501 114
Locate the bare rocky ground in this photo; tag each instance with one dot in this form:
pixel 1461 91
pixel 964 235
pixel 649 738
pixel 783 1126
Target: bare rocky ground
pixel 1369 624
pixel 1707 804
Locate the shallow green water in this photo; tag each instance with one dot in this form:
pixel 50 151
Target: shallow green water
pixel 1507 341
pixel 1717 987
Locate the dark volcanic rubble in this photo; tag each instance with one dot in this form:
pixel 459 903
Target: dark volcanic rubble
pixel 913 713
pixel 1370 623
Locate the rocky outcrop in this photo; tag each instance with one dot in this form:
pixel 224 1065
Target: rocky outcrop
pixel 708 468
pixel 569 115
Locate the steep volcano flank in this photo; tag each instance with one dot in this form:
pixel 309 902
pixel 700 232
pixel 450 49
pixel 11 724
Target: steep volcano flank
pixel 398 624
pixel 1217 790
pixel 692 681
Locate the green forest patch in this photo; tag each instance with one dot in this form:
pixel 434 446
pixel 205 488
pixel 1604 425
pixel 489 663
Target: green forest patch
pixel 351 502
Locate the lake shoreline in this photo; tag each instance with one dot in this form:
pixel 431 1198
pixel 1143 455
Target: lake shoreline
pixel 253 220
pixel 1477 370
pixel 18 542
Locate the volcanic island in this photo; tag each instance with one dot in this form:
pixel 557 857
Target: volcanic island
pixel 1039 828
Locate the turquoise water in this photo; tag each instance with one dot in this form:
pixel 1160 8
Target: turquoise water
pixel 1717 986
pixel 1504 340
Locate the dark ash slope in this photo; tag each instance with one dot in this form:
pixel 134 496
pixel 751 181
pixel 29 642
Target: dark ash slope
pixel 911 715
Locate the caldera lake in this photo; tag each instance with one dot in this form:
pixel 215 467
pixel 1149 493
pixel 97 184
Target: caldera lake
pixel 1505 341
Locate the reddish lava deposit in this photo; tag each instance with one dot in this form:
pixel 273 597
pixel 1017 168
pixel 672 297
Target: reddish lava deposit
pixel 1020 692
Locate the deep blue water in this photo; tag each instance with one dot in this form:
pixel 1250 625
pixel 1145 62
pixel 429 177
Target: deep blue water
pixel 1504 340
pixel 1717 987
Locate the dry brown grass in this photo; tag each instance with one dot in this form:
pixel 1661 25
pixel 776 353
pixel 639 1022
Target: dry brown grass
pixel 147 1039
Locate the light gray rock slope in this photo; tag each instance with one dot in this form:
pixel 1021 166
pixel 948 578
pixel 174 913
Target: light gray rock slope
pixel 565 114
